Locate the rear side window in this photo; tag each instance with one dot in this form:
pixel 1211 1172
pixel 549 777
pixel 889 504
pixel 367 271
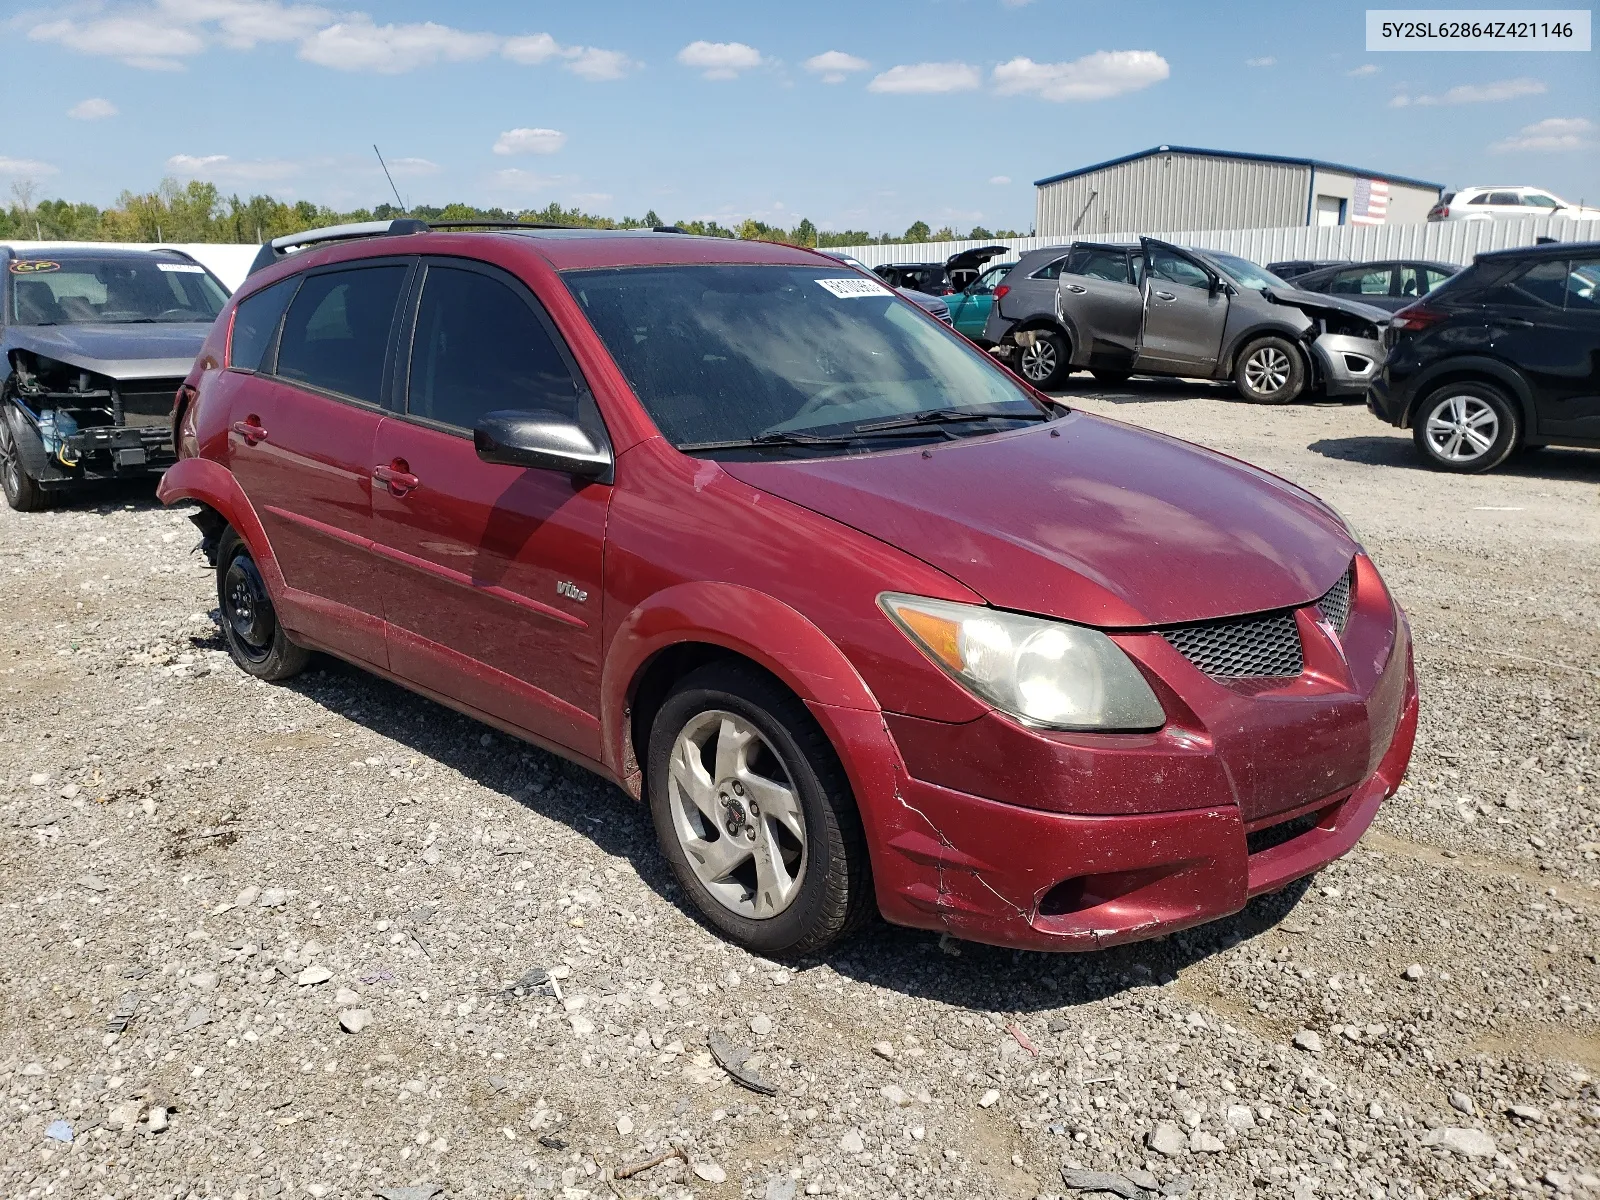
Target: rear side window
pixel 255 321
pixel 1372 281
pixel 337 331
pixel 1538 285
pixel 480 348
pixel 1510 198
pixel 1109 265
pixel 1166 265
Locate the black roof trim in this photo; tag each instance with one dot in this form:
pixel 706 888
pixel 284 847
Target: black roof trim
pixel 1545 250
pixel 1245 156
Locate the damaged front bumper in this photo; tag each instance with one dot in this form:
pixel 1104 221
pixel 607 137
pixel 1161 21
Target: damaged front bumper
pixel 1346 364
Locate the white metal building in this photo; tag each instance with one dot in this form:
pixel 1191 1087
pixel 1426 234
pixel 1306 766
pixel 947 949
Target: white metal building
pixel 1181 187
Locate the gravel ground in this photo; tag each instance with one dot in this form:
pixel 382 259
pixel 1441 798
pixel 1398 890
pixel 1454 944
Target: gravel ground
pixel 209 882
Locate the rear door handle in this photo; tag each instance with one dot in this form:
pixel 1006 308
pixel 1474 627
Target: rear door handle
pixel 398 480
pixel 1074 288
pixel 1165 296
pixel 250 430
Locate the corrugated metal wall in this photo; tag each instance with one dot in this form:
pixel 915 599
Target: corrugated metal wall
pixel 1166 190
pixel 1442 241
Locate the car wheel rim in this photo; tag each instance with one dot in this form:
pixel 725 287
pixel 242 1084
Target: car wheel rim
pixel 1463 429
pixel 736 814
pixel 9 478
pixel 1267 370
pixel 1038 361
pixel 247 609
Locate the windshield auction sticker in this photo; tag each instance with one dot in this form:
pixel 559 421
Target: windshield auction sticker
pixel 1478 29
pixel 33 266
pixel 854 289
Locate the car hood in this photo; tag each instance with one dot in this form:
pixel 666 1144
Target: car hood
pixel 1084 519
pixel 147 351
pixel 1312 303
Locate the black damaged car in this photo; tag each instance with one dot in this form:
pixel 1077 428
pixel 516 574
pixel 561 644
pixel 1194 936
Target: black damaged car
pixel 96 343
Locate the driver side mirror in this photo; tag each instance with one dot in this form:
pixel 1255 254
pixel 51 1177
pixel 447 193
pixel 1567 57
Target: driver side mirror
pixel 543 440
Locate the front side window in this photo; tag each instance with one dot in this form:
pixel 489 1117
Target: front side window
pixel 255 320
pixel 719 353
pixel 337 330
pixel 1540 200
pixel 125 289
pixel 480 348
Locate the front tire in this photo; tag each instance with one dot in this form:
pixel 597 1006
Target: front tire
pixel 1467 428
pixel 755 815
pixel 1270 370
pixel 22 490
pixel 1043 362
pixel 250 627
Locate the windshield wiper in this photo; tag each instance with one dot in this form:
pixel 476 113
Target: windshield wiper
pixel 794 437
pixel 945 416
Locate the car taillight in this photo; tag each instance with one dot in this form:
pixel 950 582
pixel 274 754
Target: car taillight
pixel 1439 212
pixel 1001 291
pixel 1417 317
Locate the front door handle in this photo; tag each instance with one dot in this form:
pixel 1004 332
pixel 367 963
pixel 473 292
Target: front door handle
pixel 1075 288
pixel 250 429
pixel 397 477
pixel 1165 296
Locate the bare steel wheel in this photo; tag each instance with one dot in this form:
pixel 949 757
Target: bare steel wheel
pixel 256 640
pixel 736 815
pixel 1270 371
pixel 1466 427
pixel 754 813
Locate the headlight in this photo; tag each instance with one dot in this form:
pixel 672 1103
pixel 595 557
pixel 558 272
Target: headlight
pixel 1046 673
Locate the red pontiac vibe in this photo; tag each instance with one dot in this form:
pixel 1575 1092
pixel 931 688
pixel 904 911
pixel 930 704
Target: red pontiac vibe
pixel 865 620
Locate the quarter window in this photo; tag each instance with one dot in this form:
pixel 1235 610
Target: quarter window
pixel 480 348
pixel 337 331
pixel 1583 286
pixel 255 320
pixel 1050 270
pixel 1542 285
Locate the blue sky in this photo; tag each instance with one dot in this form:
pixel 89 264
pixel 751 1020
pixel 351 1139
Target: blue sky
pixel 856 115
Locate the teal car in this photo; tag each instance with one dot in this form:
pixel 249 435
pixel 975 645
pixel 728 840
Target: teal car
pixel 969 308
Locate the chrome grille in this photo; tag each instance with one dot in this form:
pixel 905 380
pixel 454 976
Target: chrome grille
pixel 1264 646
pixel 1335 603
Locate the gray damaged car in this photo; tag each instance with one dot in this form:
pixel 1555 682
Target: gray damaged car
pixel 96 342
pixel 1152 308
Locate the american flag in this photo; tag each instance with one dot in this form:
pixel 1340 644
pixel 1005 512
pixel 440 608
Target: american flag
pixel 1370 204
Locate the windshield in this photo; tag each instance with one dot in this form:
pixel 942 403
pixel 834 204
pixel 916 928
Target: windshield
pixel 720 353
pixel 1244 272
pixel 115 290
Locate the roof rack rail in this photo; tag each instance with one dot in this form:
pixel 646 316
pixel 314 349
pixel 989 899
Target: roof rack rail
pixel 495 224
pixel 278 247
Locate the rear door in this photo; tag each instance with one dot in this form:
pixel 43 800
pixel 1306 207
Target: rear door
pixel 1099 296
pixel 492 573
pixel 1555 340
pixel 1184 313
pixel 304 410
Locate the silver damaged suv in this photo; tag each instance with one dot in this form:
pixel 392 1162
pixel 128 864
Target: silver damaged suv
pixel 1153 308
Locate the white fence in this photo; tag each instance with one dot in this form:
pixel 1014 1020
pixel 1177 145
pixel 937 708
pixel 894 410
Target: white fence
pixel 1439 241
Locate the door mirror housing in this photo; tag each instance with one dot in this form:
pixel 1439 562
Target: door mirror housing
pixel 543 440
pixel 1220 285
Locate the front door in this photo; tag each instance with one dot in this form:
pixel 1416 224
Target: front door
pixel 303 413
pixel 492 573
pixel 1185 310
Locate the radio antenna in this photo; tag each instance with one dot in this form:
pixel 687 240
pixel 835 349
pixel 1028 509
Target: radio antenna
pixel 404 207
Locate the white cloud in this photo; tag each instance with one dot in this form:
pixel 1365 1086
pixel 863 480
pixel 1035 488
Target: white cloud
pixel 1000 180
pixel 220 168
pixel 592 198
pixel 242 23
pixel 1475 93
pixel 586 62
pixel 921 79
pixel 160 36
pixel 1364 69
pixel 1552 134
pixel 23 168
pixel 92 109
pixel 412 167
pixel 720 60
pixel 1097 76
pixel 1267 61
pixel 834 65
pixel 146 40
pixel 357 44
pixel 530 141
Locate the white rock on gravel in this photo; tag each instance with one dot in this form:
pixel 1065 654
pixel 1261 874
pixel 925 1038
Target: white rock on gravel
pixel 1468 1143
pixel 354 1020
pixel 989 1098
pixel 313 975
pixel 1308 1040
pixel 710 1172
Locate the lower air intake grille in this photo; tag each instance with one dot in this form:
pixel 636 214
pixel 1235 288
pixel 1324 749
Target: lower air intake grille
pixel 1335 604
pixel 1247 647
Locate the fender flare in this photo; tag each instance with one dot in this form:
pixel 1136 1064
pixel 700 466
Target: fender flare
pixel 748 622
pixel 212 484
pixel 1490 370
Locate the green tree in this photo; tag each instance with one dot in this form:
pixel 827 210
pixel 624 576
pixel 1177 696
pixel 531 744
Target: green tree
pixel 918 232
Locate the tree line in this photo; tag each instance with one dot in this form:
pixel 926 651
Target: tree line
pixel 198 212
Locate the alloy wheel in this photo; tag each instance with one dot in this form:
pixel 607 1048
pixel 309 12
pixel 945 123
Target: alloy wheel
pixel 1038 360
pixel 1462 428
pixel 9 464
pixel 736 813
pixel 1267 370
